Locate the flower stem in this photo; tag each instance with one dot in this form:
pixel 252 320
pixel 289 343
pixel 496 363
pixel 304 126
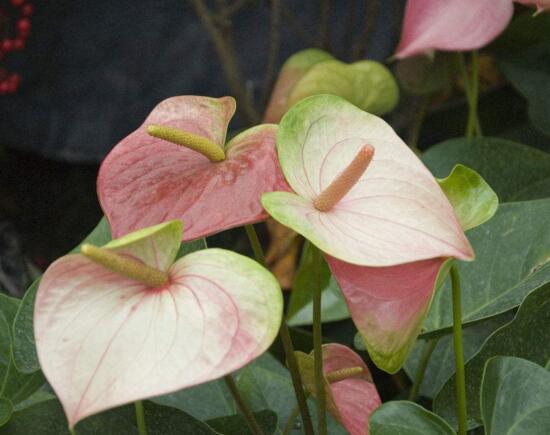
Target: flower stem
pixel 318 346
pixel 471 89
pixel 241 404
pixel 140 418
pixel 423 364
pixel 471 128
pixel 459 353
pixel 255 244
pixel 288 347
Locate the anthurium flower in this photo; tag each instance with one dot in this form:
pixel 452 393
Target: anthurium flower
pixel 124 322
pixel 367 84
pixel 383 221
pixel 452 25
pixel 350 393
pixel 176 166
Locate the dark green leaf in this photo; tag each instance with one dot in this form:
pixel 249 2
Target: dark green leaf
pixel 515 397
pixel 14 386
pixel 204 402
pixel 406 418
pixel 47 418
pixel 512 259
pixel 524 30
pixel 441 365
pixel 6 409
pixel 266 384
pixel 527 336
pixel 236 424
pixel 24 349
pixel 529 72
pixel 300 308
pixel 514 171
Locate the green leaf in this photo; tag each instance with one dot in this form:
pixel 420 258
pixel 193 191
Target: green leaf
pixel 266 384
pixel 6 409
pixel 47 418
pixel 472 198
pixel 204 402
pixel 526 337
pixel 367 84
pixel 529 72
pixel 515 172
pixel 24 349
pixel 515 397
pixel 512 259
pixel 441 365
pixel 236 424
pixel 300 308
pixel 14 386
pixel 406 418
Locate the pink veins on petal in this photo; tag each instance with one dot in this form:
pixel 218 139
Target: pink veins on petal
pixel 145 181
pixel 104 340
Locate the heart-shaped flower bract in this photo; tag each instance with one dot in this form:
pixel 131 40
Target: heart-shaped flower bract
pixel 452 25
pixel 386 237
pixel 125 322
pixel 351 395
pixel 147 179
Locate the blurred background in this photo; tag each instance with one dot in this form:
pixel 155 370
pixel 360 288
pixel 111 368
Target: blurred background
pixel 78 76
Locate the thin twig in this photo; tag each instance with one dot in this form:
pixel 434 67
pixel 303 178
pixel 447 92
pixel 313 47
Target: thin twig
pixel 361 43
pixel 275 42
pixel 228 58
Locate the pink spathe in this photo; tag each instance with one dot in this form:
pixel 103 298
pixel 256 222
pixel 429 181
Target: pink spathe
pixel 355 397
pixel 451 25
pixel 146 181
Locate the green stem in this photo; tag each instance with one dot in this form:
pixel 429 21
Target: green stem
pixel 255 244
pixel 421 371
pixel 471 89
pixel 241 404
pixel 471 128
pixel 459 353
pixel 140 418
pixel 318 346
pixel 288 347
pixel 72 431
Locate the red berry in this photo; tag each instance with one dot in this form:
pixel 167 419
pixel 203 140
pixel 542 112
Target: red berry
pixel 27 10
pixel 24 25
pixel 4 87
pixel 7 45
pixel 18 44
pixel 17 3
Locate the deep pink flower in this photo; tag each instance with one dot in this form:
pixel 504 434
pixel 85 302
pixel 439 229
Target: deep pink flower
pixel 452 25
pixel 145 180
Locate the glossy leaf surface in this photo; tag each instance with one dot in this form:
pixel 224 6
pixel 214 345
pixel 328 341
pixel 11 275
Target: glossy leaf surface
pixel 515 397
pixel 407 418
pixel 514 171
pixel 522 338
pixel 512 260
